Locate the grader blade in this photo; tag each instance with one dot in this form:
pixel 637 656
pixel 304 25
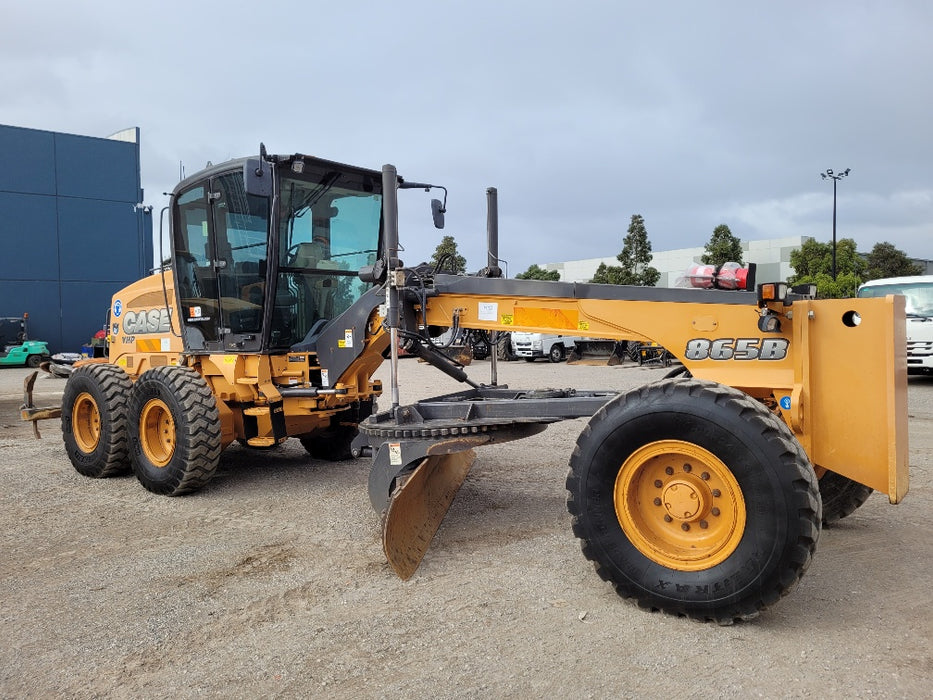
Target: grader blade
pixel 417 507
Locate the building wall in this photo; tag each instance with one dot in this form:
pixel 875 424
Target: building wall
pixel 70 229
pixel 772 257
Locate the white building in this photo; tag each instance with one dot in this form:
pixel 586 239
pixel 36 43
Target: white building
pixel 772 258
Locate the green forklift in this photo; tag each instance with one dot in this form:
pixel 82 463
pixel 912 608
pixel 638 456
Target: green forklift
pixel 16 349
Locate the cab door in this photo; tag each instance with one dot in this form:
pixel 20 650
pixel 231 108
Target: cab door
pixel 221 244
pixel 240 236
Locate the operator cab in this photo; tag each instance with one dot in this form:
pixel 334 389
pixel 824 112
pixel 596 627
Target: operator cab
pixel 265 264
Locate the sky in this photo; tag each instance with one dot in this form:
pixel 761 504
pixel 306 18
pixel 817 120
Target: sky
pixel 690 114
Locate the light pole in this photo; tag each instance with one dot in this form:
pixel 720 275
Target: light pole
pixel 835 177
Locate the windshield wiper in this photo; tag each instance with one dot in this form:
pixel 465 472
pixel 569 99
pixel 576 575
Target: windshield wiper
pixel 315 195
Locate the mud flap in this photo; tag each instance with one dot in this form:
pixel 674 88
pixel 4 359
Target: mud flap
pixel 418 505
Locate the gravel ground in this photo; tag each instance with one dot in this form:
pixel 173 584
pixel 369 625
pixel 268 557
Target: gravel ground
pixel 271 582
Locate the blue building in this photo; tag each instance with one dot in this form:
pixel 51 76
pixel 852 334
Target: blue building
pixel 72 229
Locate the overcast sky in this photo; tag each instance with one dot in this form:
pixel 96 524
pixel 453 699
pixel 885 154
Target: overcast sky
pixel 581 113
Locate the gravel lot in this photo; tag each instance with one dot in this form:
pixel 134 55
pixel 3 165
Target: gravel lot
pixel 272 582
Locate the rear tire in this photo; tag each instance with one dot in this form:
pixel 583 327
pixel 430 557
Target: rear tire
pixel 94 420
pixel 841 496
pixel 33 361
pixel 693 499
pixel 174 429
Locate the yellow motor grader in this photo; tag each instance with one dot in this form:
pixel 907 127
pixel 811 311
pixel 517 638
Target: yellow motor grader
pixel 702 494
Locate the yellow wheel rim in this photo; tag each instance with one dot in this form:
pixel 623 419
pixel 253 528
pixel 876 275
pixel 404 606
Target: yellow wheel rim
pixel 157 432
pixel 85 422
pixel 679 505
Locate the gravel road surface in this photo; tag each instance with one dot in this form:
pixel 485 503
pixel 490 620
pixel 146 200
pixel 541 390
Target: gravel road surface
pixel 271 581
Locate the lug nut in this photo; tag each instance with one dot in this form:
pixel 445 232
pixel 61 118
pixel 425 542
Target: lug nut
pixel 669 470
pixel 657 501
pixel 685 527
pixel 705 476
pixel 667 518
pixel 704 524
pixel 717 493
pixel 658 483
pixel 688 468
pixel 714 511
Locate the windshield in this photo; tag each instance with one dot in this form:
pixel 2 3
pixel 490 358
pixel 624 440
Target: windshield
pixel 328 223
pixel 919 295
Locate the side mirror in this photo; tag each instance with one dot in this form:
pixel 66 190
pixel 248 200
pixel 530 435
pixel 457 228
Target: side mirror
pixel 257 178
pixel 373 274
pixel 437 212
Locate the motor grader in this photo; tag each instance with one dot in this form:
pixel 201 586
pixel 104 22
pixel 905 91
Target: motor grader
pixel 702 494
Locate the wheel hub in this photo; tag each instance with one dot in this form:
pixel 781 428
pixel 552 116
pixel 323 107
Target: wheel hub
pixel 684 500
pixel 679 505
pixel 157 432
pixel 86 422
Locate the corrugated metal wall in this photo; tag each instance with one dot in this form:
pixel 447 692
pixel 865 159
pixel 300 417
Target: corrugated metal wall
pixel 70 234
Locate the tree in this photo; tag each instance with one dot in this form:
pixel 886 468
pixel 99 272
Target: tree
pixel 608 274
pixel 885 260
pixel 538 273
pixel 813 264
pixel 634 259
pixel 447 258
pixel 722 247
pixel 636 254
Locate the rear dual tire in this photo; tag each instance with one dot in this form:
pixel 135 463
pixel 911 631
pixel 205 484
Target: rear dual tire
pixel 174 431
pixel 94 420
pixel 693 499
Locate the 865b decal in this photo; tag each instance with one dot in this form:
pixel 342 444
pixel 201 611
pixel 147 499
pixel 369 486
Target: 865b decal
pixel 737 349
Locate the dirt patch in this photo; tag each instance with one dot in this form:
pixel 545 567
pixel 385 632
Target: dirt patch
pixel 271 582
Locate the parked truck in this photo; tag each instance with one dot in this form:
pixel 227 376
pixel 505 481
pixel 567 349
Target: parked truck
pixel 534 346
pixel 918 293
pixel 702 494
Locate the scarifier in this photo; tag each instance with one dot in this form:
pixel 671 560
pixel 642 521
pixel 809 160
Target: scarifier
pixel 702 494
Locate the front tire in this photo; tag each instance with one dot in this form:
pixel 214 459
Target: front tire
pixel 693 499
pixel 556 353
pixel 94 420
pixel 174 428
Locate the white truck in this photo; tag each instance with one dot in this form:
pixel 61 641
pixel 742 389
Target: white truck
pixel 531 346
pixel 919 293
